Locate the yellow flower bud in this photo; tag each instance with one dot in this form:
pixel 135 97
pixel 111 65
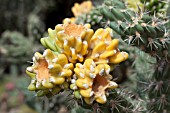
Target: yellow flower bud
pixel 49 70
pixel 92 80
pixel 73 40
pixel 82 8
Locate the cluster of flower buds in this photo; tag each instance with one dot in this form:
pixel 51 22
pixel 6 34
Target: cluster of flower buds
pixel 79 58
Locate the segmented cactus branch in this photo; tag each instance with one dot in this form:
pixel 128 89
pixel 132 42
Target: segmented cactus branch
pixel 149 33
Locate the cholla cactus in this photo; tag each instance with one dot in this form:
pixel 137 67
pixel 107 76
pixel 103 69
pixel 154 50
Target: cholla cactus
pixel 49 72
pixel 151 34
pixel 91 54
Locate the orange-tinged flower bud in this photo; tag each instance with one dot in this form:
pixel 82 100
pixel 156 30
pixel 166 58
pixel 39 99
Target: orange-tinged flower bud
pixel 49 71
pixel 92 81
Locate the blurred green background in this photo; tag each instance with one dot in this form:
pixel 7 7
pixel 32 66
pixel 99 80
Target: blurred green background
pixel 22 24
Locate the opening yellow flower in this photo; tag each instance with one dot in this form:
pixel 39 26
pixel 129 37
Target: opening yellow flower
pixel 92 81
pixel 73 40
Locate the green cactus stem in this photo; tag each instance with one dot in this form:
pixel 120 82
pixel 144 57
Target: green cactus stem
pixel 148 33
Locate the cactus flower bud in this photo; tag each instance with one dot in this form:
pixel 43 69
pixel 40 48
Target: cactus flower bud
pixel 83 8
pixel 49 71
pixel 93 80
